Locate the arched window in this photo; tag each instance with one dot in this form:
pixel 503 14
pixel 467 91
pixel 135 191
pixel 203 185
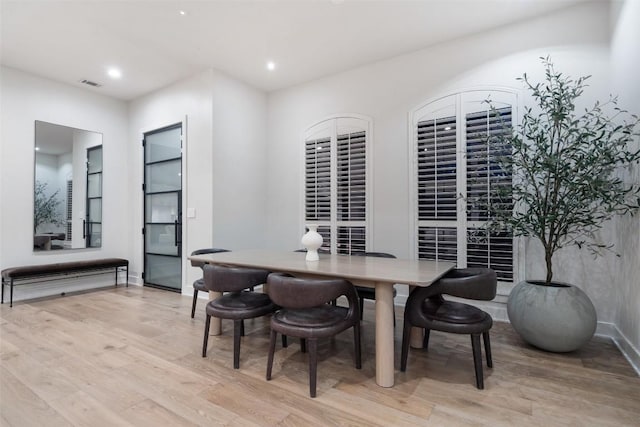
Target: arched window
pixel 336 176
pixel 456 176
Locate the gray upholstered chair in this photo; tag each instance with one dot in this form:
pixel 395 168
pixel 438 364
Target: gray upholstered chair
pixel 198 285
pixel 306 314
pixel 238 303
pixel 426 308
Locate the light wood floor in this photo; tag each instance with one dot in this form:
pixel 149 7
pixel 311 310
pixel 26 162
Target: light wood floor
pixel 131 356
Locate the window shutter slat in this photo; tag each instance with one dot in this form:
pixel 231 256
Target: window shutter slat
pixel 317 179
pixel 436 155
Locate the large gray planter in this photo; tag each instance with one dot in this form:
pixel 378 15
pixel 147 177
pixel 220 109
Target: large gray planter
pixel 556 318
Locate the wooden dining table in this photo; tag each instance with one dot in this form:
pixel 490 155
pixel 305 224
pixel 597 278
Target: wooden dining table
pixel 378 273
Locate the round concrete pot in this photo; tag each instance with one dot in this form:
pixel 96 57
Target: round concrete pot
pixel 557 317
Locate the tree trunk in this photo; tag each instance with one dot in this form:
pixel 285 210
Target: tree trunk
pixel 547 257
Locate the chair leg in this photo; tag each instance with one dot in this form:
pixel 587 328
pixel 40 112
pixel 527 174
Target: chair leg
pixel 237 333
pixel 207 322
pixel 358 347
pixel 303 345
pixel 425 340
pixel 193 304
pixel 406 335
pixel 361 307
pixel 284 341
pixel 313 365
pixel 477 360
pixel 487 348
pixel 272 350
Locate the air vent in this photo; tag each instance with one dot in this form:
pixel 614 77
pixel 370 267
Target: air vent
pixel 90 83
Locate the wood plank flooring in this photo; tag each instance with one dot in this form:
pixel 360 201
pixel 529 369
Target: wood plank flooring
pixel 131 357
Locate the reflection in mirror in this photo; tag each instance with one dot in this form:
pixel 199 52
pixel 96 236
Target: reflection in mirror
pixel 67 188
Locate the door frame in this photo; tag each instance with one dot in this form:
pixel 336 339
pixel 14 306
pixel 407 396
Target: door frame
pixel 141 204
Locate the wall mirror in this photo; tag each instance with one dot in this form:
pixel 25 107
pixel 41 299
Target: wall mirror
pixel 67 196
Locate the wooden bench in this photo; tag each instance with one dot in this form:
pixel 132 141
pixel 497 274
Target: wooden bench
pixel 32 273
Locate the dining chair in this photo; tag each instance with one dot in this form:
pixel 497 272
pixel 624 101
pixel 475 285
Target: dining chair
pixel 238 303
pixel 426 308
pixel 306 314
pixel 198 285
pixel 370 293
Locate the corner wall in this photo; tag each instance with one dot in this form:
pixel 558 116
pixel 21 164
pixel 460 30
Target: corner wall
pixel 625 63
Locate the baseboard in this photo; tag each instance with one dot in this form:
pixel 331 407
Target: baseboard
pixel 628 350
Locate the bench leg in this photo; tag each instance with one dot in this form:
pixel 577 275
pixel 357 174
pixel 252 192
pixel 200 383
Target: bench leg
pixel 11 294
pixel 2 292
pixel 127 268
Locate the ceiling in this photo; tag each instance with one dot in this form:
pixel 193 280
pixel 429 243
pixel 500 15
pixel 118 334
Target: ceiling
pixel 154 45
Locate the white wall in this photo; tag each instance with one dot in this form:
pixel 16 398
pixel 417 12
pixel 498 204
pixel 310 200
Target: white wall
pixel 577 40
pixel 223 161
pixel 625 63
pixel 26 98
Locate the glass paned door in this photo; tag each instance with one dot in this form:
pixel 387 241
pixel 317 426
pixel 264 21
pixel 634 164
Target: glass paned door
pixel 93 222
pixel 163 208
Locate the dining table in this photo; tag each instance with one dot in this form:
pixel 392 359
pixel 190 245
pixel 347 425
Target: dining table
pixel 379 273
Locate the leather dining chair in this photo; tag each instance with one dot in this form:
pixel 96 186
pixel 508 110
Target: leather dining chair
pixel 306 314
pixel 238 303
pixel 198 285
pixel 426 308
pixel 370 293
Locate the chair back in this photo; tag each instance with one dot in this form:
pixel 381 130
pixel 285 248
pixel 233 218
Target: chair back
pixel 469 283
pixel 202 252
pixel 374 254
pixel 292 292
pixel 220 278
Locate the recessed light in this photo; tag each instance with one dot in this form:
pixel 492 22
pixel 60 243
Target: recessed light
pixel 37 148
pixel 271 65
pixel 182 13
pixel 114 73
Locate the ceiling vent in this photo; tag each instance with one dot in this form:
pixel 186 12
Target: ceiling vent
pixel 90 83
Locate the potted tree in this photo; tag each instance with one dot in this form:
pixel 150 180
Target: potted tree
pixel 45 207
pixel 566 183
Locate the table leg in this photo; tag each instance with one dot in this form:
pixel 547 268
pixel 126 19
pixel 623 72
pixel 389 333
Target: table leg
pixel 216 324
pixel 385 369
pixel 417 334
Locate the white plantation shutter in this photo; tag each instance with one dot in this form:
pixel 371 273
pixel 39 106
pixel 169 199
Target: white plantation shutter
pixel 493 250
pixel 336 183
pixel 318 179
pixel 457 177
pixel 438 243
pixel 484 178
pixel 351 176
pixel 437 168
